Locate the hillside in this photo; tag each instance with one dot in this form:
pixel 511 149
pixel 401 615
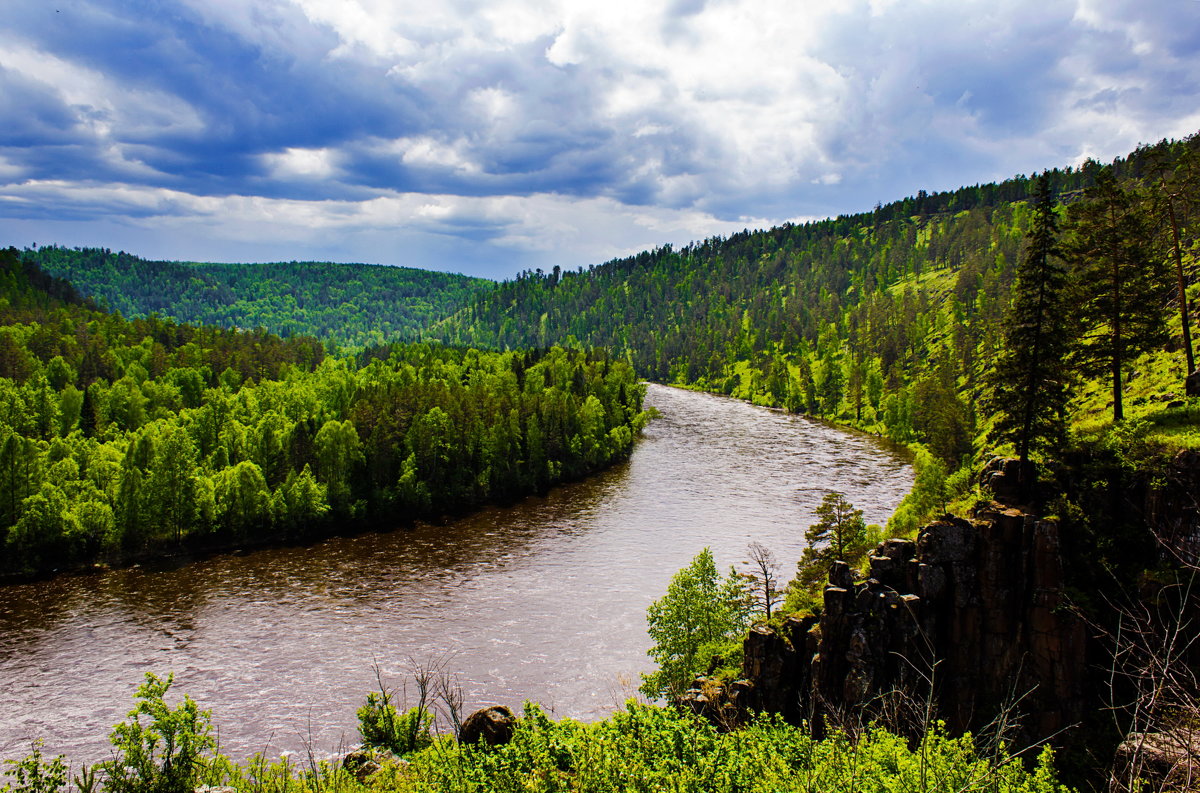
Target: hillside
pixel 350 305
pixel 889 320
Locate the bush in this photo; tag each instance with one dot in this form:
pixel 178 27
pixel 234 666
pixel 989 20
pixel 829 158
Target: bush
pixel 35 775
pixel 383 727
pixel 159 750
pixel 646 748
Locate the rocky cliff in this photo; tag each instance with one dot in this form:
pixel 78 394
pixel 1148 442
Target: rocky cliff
pixel 972 621
pixel 973 618
pixel 973 613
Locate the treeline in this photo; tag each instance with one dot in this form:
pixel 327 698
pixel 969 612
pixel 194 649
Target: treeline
pixel 889 320
pixel 122 439
pixel 351 305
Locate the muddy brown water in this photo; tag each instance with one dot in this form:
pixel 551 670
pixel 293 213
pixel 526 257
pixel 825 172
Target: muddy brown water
pixel 544 600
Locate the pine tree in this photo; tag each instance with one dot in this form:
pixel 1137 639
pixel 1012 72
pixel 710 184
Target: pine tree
pixel 840 533
pixel 1121 282
pixel 1030 378
pixel 1176 181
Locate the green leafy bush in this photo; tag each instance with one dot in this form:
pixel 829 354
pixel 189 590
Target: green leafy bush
pixel 382 726
pixel 159 749
pixel 32 774
pixel 647 748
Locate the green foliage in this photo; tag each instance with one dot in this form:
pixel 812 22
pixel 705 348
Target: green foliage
pixel 382 726
pixel 840 534
pixel 929 496
pixel 164 454
pixel 692 622
pixel 1031 375
pixel 888 320
pixel 649 748
pixel 639 748
pixel 159 749
pixel 33 774
pixel 646 748
pixel 1121 278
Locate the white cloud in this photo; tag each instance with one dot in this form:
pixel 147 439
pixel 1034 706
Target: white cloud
pixel 10 171
pixel 552 228
pixel 102 105
pixel 295 163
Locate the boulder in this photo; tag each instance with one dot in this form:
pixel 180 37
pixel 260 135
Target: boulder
pixel 1164 760
pixel 494 726
pixel 1009 480
pixel 362 764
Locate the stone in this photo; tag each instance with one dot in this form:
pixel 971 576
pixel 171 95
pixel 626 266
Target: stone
pixel 1162 760
pixel 840 575
pixel 931 581
pixel 883 568
pixel 836 600
pixel 1009 480
pixel 982 599
pixel 1192 384
pixel 898 549
pixel 362 764
pixel 494 726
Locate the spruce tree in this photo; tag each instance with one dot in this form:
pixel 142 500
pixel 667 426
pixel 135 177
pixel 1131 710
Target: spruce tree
pixel 1029 382
pixel 1121 282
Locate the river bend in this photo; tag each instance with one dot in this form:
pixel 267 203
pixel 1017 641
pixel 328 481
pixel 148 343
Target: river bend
pixel 543 600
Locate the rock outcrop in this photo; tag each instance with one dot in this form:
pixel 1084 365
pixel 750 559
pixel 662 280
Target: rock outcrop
pixel 1173 510
pixel 1157 761
pixel 973 614
pixel 973 617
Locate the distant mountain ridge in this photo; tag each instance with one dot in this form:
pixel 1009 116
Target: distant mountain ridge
pixel 350 305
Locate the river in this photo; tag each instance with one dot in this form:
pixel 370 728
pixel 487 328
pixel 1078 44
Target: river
pixel 542 600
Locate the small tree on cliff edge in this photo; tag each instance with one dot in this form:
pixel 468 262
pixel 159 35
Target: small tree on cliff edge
pixel 1029 382
pixel 699 613
pixel 840 534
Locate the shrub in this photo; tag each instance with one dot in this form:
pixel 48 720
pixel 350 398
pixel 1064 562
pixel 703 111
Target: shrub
pixel 383 727
pixel 35 775
pixel 159 749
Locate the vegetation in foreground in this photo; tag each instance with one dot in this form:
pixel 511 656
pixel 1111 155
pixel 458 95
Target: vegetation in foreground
pixel 164 749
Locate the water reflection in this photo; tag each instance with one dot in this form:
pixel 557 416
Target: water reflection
pixel 542 600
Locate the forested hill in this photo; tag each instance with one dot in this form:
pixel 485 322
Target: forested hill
pixel 888 319
pixel 685 314
pixel 351 305
pixel 128 438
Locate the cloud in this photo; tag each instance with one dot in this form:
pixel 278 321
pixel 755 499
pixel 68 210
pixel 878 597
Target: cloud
pixel 506 114
pixel 539 230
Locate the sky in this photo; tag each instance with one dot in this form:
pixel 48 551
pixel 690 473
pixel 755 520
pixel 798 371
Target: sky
pixel 498 136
